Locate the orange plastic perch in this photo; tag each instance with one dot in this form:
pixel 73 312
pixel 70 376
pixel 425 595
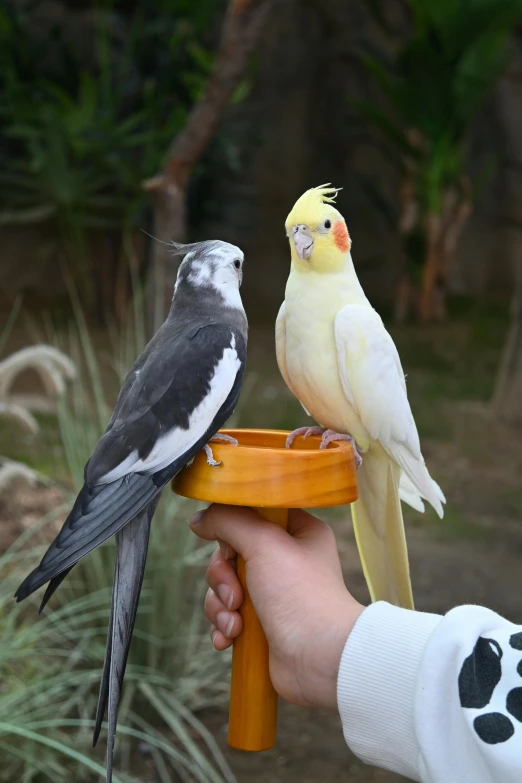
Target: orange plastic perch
pixel 263 474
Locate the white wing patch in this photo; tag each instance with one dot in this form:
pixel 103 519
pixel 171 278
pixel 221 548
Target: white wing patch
pixel 176 442
pixel 373 380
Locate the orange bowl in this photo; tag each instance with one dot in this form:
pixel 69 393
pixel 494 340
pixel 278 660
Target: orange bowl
pixel 261 472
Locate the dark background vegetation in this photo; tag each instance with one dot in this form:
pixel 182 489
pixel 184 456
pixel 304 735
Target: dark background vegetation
pixel 195 120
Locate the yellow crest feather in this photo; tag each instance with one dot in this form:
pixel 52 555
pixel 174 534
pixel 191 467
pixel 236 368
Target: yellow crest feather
pixel 309 207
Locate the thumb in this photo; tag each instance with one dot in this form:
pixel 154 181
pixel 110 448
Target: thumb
pixel 243 529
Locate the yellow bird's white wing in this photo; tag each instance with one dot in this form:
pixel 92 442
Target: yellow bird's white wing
pixel 373 381
pixel 280 340
pixel 409 494
pixel 372 378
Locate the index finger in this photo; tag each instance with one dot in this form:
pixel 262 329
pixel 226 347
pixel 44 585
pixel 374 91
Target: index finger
pixel 242 528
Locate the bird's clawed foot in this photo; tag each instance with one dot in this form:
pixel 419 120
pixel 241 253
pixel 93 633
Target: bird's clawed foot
pixel 328 436
pixel 305 432
pixel 219 436
pixel 210 457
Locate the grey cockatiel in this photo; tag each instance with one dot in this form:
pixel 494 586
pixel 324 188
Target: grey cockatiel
pixel 178 394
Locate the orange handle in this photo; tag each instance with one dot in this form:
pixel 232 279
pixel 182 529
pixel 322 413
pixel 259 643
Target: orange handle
pixel 253 700
pixel 262 472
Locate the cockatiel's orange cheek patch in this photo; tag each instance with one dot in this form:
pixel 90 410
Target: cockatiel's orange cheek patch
pixel 341 236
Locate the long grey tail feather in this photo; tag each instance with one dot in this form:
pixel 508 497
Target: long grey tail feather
pixel 53 585
pixel 104 683
pixel 131 554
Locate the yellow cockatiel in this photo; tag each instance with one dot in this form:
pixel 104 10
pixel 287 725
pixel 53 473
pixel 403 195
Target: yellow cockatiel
pixel 337 358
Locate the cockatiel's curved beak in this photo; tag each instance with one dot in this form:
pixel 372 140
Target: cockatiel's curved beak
pixel 303 241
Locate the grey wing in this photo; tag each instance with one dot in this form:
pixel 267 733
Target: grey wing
pixel 176 392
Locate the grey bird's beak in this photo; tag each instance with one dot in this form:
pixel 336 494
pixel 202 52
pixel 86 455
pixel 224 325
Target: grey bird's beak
pixel 303 241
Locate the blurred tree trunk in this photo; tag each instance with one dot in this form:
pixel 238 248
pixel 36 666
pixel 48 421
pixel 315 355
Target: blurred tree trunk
pixel 441 230
pixel 405 293
pixel 507 396
pixel 243 23
pixel 442 234
pixel 430 301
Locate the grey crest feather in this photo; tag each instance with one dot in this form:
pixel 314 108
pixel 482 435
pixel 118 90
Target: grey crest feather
pixel 199 248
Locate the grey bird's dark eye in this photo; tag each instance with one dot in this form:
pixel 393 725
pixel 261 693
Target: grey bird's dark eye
pixel 237 263
pixel 327 224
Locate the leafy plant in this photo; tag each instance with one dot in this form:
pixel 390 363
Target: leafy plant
pixel 42 684
pixel 435 87
pixel 78 138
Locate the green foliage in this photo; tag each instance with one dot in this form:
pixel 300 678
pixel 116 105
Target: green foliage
pixel 78 137
pixel 78 161
pixel 437 84
pixel 441 79
pixel 41 679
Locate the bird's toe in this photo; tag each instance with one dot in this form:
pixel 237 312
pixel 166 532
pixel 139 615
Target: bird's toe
pixel 210 457
pixel 223 438
pixel 304 431
pixel 329 436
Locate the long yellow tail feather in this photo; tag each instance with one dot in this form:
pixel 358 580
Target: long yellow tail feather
pixel 379 530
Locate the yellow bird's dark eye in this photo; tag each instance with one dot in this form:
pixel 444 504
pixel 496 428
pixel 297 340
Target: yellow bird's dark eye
pixel 327 224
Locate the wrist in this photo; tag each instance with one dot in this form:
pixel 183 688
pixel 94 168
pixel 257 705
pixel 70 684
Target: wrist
pixel 326 659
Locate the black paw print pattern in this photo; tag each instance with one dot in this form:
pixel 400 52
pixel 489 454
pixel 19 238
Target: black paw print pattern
pixel 480 674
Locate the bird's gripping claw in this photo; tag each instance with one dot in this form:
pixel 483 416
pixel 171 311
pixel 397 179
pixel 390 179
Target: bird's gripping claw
pixel 219 436
pixel 328 436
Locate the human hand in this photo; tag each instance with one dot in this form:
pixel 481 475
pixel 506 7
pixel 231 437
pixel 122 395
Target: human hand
pixel 296 584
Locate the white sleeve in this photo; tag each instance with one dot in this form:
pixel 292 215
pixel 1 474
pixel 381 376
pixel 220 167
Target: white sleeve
pixel 436 699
